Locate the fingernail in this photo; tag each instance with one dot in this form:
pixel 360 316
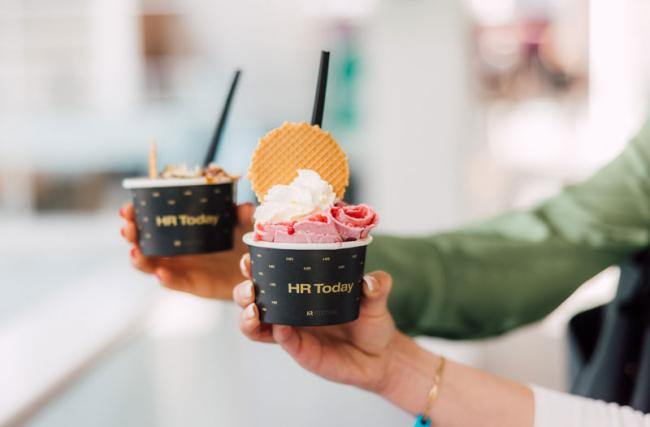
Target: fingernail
pixel 133 250
pixel 122 212
pixel 122 232
pixel 250 311
pixel 248 289
pixel 242 266
pixel 157 276
pixel 371 282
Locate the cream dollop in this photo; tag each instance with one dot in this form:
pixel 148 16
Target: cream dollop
pixel 307 194
pixel 213 172
pixel 180 171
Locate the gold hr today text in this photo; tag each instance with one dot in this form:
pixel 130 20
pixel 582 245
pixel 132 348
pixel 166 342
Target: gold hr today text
pixel 186 220
pixel 320 288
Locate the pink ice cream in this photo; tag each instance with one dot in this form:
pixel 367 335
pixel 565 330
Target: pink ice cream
pixel 306 211
pixel 342 223
pixel 313 229
pixel 353 222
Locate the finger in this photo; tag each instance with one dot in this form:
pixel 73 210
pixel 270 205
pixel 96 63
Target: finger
pixel 130 232
pixel 288 338
pixel 303 346
pixel 171 279
pixel 251 327
pixel 141 262
pixel 376 288
pixel 244 294
pixel 245 215
pixel 128 212
pixel 245 266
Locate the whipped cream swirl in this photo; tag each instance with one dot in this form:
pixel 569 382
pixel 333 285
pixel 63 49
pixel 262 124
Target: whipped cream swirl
pixel 307 194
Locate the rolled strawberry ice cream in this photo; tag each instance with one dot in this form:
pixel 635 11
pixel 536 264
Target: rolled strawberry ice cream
pixel 306 211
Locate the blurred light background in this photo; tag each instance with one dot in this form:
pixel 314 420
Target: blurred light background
pixel 454 109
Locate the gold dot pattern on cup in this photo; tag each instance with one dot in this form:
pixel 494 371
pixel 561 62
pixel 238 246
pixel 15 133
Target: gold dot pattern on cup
pixel 168 219
pixel 264 309
pixel 293 285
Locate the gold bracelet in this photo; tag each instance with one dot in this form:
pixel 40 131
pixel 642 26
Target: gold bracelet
pixel 433 393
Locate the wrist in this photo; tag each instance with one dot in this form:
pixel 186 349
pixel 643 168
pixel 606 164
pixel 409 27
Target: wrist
pixel 409 374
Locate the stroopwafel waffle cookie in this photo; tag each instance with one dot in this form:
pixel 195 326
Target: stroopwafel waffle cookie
pixel 292 146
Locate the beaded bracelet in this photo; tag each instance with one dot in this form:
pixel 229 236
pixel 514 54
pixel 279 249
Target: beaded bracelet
pixel 423 419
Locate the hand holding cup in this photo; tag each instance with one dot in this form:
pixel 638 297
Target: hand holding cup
pixel 210 275
pixel 356 353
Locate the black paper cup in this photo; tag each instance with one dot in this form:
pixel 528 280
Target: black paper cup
pixel 307 284
pixel 183 216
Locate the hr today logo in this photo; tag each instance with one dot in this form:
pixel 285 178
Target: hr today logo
pixel 320 288
pixel 185 220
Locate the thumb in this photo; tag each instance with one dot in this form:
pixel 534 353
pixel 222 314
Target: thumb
pixel 376 288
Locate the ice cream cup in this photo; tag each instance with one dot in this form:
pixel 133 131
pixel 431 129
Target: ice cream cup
pixel 183 216
pixel 307 284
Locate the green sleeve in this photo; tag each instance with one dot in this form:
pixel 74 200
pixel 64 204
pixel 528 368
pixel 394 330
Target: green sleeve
pixel 494 276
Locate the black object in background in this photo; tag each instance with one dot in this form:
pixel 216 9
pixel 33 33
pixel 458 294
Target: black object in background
pixel 321 89
pixel 221 124
pixel 610 345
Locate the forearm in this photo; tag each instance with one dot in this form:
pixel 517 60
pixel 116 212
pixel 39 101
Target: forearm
pixel 467 398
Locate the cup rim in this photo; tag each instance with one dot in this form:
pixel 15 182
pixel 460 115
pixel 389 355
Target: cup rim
pixel 145 182
pixel 250 241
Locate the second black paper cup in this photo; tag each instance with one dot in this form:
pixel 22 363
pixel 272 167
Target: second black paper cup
pixel 183 216
pixel 307 284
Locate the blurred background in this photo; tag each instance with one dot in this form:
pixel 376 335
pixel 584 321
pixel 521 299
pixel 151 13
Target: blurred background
pixel 457 108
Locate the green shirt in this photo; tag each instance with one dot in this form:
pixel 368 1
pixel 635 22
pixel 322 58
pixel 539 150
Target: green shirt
pixel 494 276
